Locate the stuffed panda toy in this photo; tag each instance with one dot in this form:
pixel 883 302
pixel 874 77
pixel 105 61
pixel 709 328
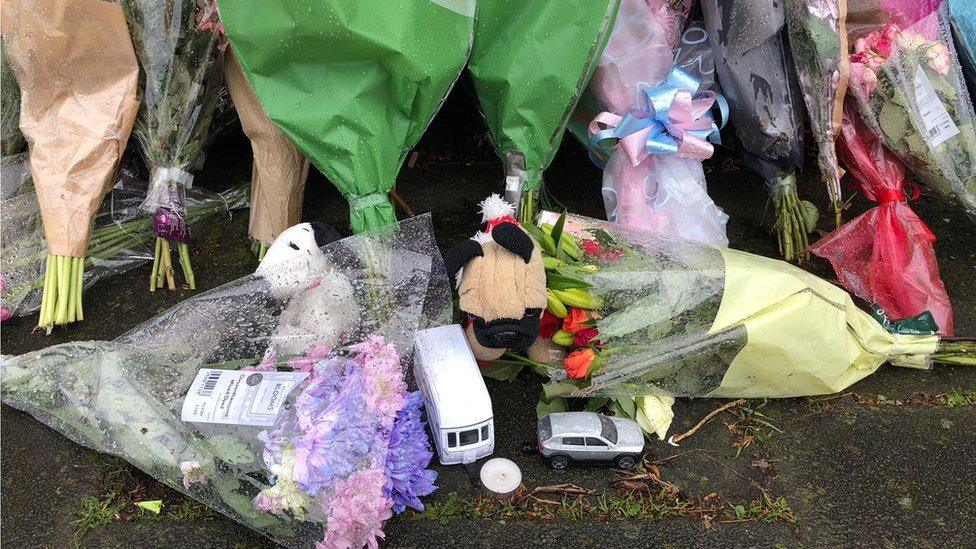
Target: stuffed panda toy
pixel 321 307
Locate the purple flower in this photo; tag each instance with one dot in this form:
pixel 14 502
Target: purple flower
pixel 334 435
pixel 408 456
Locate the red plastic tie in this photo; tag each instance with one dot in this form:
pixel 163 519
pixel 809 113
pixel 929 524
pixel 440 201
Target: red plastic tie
pixel 890 195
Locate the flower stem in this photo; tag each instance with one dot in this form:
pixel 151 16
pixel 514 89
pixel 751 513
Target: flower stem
pixel 790 226
pixel 168 265
pixel 526 210
pixel 48 297
pixel 960 351
pixel 155 266
pixel 80 287
pixel 186 265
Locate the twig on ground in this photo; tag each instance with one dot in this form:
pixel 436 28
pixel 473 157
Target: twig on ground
pixel 401 203
pixel 674 440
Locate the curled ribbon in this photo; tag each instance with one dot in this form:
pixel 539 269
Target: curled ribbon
pixel 675 119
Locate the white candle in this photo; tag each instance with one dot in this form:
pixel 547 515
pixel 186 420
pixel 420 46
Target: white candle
pixel 501 477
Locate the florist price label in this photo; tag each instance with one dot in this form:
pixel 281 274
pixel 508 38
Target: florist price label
pixel 238 397
pixel 938 124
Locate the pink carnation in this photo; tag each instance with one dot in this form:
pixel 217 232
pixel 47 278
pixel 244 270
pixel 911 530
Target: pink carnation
pixel 4 312
pixel 384 388
pixel 357 512
pixel 192 473
pixel 312 356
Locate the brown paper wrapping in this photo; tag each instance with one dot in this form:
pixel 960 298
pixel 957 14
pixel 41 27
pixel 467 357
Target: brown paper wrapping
pixel 78 81
pixel 279 170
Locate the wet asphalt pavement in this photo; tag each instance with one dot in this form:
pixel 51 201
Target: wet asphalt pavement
pixel 861 469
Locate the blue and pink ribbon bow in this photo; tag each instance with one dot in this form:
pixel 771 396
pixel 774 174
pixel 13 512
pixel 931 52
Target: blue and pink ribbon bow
pixel 675 119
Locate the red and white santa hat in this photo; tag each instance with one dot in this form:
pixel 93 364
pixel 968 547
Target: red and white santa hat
pixel 494 211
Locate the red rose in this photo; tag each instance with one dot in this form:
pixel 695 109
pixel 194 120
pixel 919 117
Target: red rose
pixel 591 248
pixel 883 47
pixel 548 324
pixel 579 364
pixel 585 336
pixel 859 57
pixel 579 319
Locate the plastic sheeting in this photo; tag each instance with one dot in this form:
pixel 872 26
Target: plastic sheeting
pixel 121 239
pixel 912 93
pixel 885 255
pixel 124 397
pixel 665 195
pixel 684 319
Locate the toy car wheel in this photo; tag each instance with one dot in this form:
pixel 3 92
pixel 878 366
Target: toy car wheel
pixel 559 462
pixel 626 462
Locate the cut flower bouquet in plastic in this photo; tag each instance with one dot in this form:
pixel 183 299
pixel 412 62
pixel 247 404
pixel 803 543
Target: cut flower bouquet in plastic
pixel 315 446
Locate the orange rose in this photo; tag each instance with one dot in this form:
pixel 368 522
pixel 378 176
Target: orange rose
pixel 579 319
pixel 580 363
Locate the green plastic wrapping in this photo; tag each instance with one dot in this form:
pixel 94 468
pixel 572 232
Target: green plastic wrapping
pixel 530 63
pixel 353 83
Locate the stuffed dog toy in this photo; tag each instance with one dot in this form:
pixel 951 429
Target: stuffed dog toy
pixel 501 283
pixel 321 303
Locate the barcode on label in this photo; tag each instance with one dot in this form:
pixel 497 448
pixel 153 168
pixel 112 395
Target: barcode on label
pixel 937 123
pixel 209 384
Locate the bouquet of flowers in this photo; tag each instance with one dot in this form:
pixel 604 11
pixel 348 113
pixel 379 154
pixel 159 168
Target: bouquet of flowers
pixel 121 239
pixel 352 83
pixel 181 74
pixel 885 256
pixel 59 51
pixel 279 170
pixel 659 114
pixel 319 446
pixel 748 38
pixel 651 318
pixel 910 90
pixel 818 43
pixel 527 108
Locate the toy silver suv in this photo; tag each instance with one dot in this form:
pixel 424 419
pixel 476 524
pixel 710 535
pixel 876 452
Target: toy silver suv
pixel 588 436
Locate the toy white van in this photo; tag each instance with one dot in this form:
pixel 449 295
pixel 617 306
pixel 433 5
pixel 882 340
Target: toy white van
pixel 455 396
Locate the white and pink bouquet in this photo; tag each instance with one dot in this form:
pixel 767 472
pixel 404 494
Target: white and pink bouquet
pixel 653 81
pixel 909 87
pixel 255 400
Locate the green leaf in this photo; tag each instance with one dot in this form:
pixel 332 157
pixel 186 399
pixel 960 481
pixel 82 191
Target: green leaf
pixel 154 506
pixel 232 449
pixel 557 229
pixel 627 405
pixel 559 281
pixel 545 241
pixel 559 389
pixel 551 406
pixel 502 371
pixel 894 121
pixel 603 237
pixel 595 403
